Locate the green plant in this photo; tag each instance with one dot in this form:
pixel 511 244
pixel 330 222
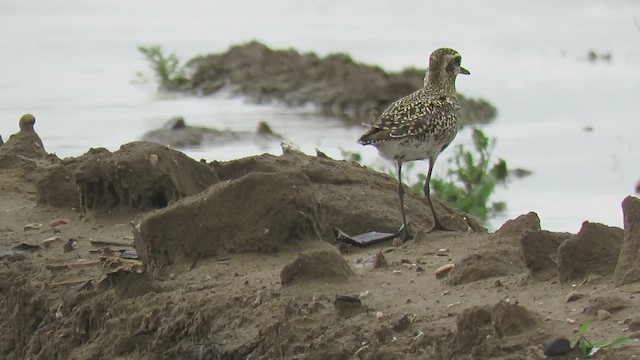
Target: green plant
pixel 169 73
pixel 588 348
pixel 471 178
pixel 350 155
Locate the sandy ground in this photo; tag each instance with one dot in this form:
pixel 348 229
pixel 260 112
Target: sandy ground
pixel 241 262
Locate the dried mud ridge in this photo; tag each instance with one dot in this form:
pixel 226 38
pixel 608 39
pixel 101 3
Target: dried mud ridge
pixel 238 261
pixel 335 83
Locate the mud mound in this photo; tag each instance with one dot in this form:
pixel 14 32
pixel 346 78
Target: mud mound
pixel 23 157
pixel 516 228
pixel 594 250
pixel 336 84
pixel 140 175
pixel 488 264
pixel 257 212
pixel 316 265
pixel 485 332
pixel 349 196
pixel 510 319
pixel 628 266
pixel 539 249
pixel 180 135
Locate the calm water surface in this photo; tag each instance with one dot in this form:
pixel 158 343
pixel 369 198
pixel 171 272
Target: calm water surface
pixel 74 64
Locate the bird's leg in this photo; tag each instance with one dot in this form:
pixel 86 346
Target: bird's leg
pixel 405 232
pixel 427 192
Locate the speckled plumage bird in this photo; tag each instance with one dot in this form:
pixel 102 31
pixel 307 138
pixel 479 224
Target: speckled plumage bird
pixel 421 125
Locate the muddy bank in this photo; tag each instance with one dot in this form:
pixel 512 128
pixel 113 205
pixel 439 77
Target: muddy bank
pixel 178 134
pixel 336 84
pixel 239 261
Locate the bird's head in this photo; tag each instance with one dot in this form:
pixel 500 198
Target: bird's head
pixel 444 66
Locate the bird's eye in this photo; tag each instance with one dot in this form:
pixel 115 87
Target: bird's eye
pixel 458 59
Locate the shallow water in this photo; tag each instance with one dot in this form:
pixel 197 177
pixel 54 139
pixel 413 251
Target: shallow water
pixel 74 66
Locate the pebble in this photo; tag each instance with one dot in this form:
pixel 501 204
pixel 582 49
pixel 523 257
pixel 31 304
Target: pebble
pixel 444 270
pixel 379 260
pixel 634 325
pixel 571 321
pixel 559 346
pixel 573 296
pixel 32 226
pixel 50 241
pixel 603 314
pixel 153 160
pixel 379 315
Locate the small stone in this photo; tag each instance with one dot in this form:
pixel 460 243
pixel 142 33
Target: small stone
pixel 396 272
pixel 379 315
pixel 50 241
pixel 603 314
pixel 571 321
pixel 153 160
pixel 573 296
pixel 69 246
pixel 559 346
pixel 444 270
pixel 496 283
pixel 634 325
pixel 32 226
pixel 379 260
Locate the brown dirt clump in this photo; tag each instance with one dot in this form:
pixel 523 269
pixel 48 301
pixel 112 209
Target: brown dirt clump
pixel 594 250
pixel 539 249
pixel 320 265
pixel 257 212
pixel 140 175
pixel 222 293
pixel 628 266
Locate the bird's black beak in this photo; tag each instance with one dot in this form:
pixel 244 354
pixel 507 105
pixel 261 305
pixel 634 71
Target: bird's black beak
pixel 464 71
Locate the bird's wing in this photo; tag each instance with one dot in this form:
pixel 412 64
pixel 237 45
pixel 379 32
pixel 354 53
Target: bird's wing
pixel 413 115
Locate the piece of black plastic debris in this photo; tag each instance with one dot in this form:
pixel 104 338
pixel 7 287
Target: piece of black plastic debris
pixel 18 249
pixel 558 346
pixel 365 239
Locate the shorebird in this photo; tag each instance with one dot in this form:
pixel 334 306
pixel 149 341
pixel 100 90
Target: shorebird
pixel 421 125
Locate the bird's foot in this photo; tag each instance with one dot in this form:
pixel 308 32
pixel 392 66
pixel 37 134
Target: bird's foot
pixel 437 226
pixel 405 234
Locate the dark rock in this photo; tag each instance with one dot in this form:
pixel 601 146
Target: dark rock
pixel 258 212
pixel 594 250
pixel 559 346
pixel 336 84
pixel 538 249
pixel 316 265
pixel 140 175
pixel 628 266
